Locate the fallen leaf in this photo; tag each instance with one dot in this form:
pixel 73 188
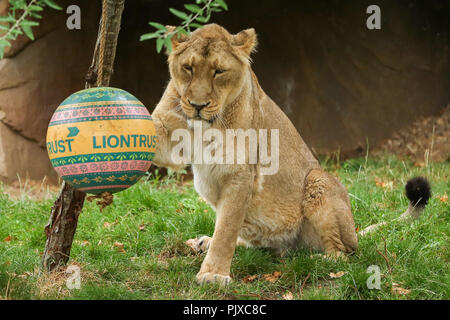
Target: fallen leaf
pixel 7 239
pixel 85 243
pixel 119 247
pixel 249 279
pixel 7 262
pixel 288 296
pixel 379 183
pixel 25 275
pixel 272 277
pixel 107 225
pixel 385 185
pixel 337 274
pixel 142 227
pixel 443 198
pixel 399 290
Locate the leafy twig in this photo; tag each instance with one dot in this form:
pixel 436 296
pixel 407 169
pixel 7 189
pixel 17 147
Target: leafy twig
pixel 195 19
pixel 21 25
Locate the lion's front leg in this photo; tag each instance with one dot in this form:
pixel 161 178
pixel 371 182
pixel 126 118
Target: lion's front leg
pixel 230 213
pixel 167 118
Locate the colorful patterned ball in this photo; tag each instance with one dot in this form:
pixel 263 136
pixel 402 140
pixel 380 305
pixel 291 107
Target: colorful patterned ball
pixel 101 139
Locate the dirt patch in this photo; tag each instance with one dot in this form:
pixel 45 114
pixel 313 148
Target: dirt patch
pixel 426 139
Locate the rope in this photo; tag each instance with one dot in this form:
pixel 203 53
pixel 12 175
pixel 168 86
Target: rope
pixel 105 198
pixel 102 45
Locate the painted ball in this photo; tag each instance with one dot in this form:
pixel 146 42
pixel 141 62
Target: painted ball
pixel 101 139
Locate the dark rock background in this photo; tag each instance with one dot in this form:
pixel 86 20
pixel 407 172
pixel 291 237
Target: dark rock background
pixel 343 86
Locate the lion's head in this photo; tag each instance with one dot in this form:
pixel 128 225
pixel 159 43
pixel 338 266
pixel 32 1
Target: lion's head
pixel 209 68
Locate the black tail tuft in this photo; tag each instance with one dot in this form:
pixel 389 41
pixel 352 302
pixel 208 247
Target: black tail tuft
pixel 418 191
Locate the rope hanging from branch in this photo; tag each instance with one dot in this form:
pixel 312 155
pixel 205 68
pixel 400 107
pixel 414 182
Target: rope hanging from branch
pixel 104 198
pixel 101 57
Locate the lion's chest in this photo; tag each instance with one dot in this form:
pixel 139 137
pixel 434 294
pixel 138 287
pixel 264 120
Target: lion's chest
pixel 207 182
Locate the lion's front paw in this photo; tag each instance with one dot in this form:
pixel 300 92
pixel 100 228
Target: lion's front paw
pixel 200 244
pixel 210 277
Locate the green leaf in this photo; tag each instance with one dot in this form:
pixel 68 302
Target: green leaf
pixel 7 19
pixel 4 43
pixel 180 30
pixel 221 3
pixel 35 15
pixel 179 14
pixel 168 43
pixel 159 44
pixel 27 30
pixel 30 23
pixel 52 4
pixel 193 8
pixel 35 8
pixel 148 36
pixel 195 25
pixel 158 26
pixel 203 19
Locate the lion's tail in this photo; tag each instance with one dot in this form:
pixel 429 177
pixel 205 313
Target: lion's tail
pixel 418 191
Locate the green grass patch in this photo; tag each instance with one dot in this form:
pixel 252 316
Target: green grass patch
pixel 153 219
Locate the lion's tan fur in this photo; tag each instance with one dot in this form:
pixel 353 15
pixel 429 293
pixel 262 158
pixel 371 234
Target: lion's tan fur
pixel 300 205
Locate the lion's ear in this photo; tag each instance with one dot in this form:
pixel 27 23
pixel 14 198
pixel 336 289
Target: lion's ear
pixel 178 38
pixel 245 40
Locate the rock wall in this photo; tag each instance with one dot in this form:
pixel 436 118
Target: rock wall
pixel 342 85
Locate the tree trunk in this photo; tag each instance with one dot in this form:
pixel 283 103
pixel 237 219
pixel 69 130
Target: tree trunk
pixel 63 221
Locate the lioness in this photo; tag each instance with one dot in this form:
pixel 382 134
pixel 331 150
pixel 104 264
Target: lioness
pixel 300 205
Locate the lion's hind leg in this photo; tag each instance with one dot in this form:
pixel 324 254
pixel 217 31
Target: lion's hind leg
pixel 326 208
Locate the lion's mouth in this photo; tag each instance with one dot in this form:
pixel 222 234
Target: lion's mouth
pixel 198 116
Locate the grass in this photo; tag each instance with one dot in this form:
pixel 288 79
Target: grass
pixel 153 219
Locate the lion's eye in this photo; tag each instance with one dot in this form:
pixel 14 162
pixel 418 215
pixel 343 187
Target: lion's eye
pixel 187 67
pixel 219 71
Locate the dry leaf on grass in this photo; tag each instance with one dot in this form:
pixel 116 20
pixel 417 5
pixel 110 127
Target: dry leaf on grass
pixel 399 290
pixel 85 243
pixel 337 274
pixel 288 296
pixel 119 247
pixel 443 198
pixel 272 277
pixel 385 185
pixel 249 279
pixel 142 227
pixel 109 225
pixel 7 239
pixel 25 275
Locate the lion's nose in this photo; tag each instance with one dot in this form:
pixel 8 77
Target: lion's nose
pixel 198 106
